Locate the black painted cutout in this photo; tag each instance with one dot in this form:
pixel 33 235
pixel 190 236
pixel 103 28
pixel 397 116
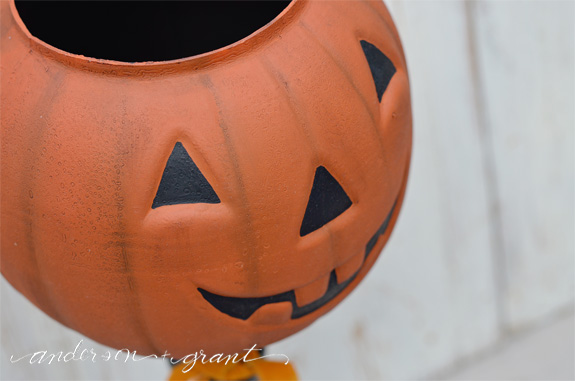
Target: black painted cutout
pixel 382 68
pixel 326 201
pixel 243 308
pixel 381 231
pixel 182 182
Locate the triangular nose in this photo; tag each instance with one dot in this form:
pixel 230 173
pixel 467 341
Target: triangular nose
pixel 327 200
pixel 182 182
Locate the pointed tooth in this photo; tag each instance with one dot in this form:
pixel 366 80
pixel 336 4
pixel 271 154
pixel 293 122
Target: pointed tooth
pixel 345 271
pixel 273 313
pixel 313 291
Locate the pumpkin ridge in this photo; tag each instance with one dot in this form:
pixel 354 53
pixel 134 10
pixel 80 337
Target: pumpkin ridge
pixel 293 104
pixel 338 63
pixel 387 23
pixel 134 310
pixel 46 298
pixel 25 56
pixel 251 259
pixel 363 101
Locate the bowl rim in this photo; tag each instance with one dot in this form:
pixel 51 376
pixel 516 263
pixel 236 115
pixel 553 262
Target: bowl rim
pixel 199 61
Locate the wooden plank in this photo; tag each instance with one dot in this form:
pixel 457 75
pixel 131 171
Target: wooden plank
pixel 545 353
pixel 526 63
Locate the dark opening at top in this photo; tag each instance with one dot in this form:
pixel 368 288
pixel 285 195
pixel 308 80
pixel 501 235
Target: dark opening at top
pixel 137 31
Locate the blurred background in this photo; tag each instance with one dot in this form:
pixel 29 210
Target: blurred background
pixel 477 280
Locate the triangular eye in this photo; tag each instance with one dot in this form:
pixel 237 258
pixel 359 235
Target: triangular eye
pixel 382 68
pixel 182 182
pixel 326 201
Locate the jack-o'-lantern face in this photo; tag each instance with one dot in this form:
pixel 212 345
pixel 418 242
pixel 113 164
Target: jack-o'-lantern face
pixel 291 225
pixel 214 202
pixel 183 183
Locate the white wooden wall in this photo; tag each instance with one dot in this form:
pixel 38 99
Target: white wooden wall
pixel 484 245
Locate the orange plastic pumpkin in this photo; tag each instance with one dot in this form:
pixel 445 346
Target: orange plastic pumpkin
pixel 212 202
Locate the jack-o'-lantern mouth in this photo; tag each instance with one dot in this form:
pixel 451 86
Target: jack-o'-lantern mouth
pixel 243 308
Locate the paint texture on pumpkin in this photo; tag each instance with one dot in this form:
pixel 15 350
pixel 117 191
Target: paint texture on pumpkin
pixel 211 202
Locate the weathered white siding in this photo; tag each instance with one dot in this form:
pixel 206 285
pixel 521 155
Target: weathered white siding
pixel 525 53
